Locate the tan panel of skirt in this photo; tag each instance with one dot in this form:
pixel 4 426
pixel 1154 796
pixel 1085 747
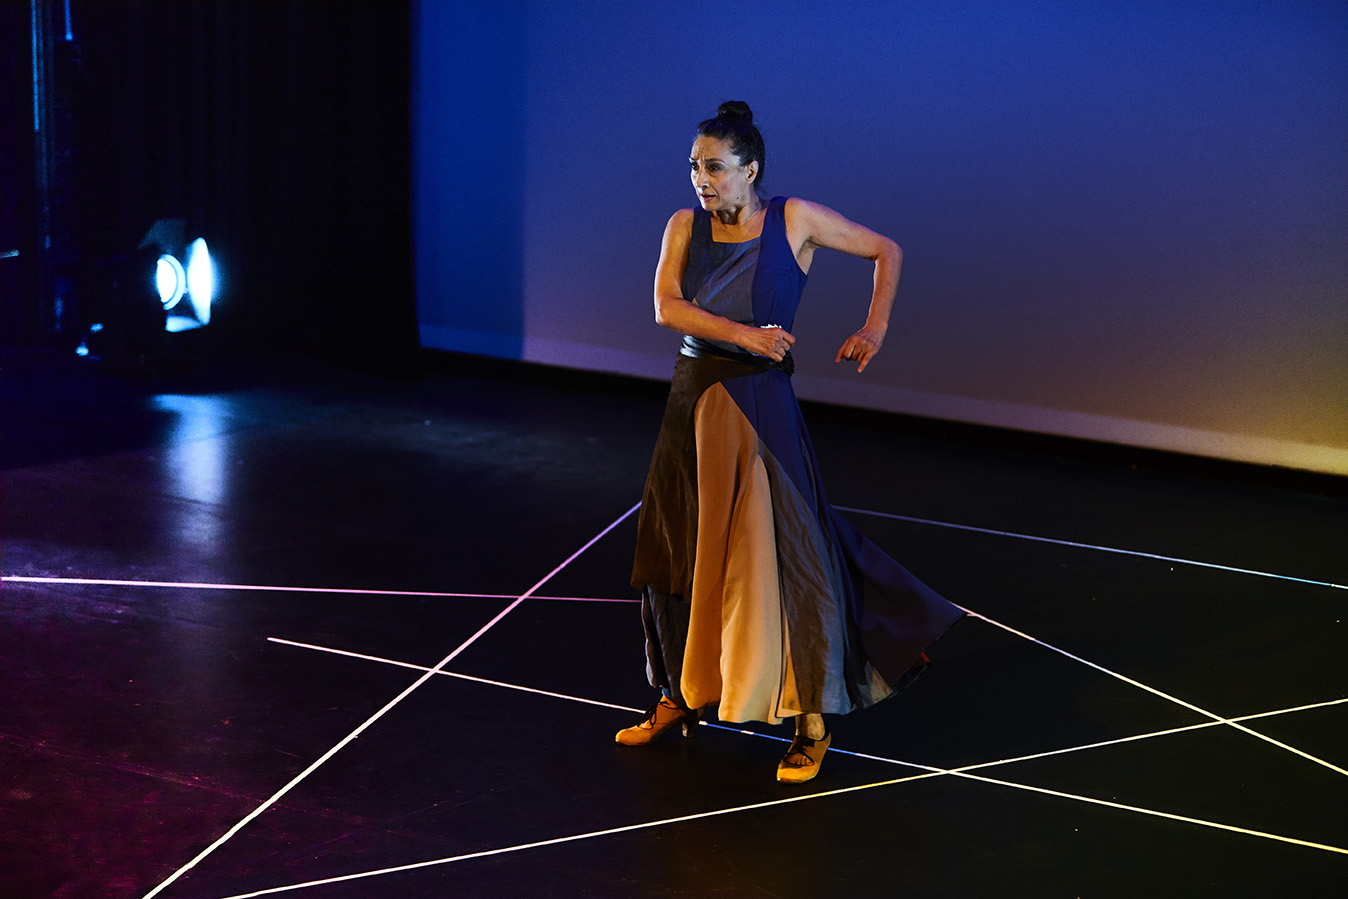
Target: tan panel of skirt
pixel 737 652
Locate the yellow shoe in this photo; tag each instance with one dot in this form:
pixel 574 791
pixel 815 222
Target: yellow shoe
pixel 660 719
pixel 801 762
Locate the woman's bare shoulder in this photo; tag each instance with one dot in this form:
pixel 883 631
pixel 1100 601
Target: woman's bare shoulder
pixel 796 206
pixel 680 226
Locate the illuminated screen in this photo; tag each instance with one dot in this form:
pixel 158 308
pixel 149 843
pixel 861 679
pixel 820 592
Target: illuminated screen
pixel 1123 221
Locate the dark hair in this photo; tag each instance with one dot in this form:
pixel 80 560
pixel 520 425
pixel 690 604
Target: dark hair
pixel 734 123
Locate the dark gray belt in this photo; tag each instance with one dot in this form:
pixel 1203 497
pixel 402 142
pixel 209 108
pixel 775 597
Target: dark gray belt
pixel 700 349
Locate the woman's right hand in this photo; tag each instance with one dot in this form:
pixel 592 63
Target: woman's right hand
pixel 768 341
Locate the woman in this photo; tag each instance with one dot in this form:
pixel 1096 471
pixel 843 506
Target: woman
pixel 757 597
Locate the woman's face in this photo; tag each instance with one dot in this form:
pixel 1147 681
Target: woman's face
pixel 718 178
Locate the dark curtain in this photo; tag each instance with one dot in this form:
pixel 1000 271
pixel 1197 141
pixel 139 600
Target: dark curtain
pixel 279 129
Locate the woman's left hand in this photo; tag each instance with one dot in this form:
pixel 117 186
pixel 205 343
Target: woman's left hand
pixel 862 346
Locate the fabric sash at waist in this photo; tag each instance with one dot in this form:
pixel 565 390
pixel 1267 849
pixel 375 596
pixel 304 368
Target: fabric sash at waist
pixel 697 348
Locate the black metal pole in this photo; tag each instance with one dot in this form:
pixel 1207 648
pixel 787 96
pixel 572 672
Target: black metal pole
pixel 56 77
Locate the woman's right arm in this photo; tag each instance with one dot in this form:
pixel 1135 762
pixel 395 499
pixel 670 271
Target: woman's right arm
pixel 675 312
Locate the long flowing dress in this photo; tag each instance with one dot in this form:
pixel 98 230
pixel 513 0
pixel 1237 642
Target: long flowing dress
pixel 757 596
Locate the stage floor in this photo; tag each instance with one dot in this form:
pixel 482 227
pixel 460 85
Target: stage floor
pixel 289 630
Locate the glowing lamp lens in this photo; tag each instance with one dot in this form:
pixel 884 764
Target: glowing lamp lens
pixel 170 280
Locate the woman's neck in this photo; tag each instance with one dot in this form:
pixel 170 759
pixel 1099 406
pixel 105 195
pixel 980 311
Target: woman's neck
pixel 740 216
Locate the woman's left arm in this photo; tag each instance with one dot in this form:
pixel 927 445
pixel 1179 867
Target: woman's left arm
pixel 813 226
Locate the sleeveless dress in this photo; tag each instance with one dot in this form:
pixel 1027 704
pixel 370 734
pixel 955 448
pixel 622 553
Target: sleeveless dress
pixel 756 595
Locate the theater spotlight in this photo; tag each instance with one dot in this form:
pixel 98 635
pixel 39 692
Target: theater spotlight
pixel 175 283
pixel 165 285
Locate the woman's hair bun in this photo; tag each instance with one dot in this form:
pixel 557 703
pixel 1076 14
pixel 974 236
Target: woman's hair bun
pixel 734 123
pixel 735 111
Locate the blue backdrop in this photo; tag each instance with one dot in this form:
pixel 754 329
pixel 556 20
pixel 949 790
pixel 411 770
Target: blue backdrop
pixel 1126 221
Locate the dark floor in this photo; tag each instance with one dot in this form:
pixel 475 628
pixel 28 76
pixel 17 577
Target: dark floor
pixel 1149 699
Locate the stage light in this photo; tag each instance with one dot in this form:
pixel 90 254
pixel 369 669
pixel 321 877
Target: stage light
pixel 195 283
pixel 166 284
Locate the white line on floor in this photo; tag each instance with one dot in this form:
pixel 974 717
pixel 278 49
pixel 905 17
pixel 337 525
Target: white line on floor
pixel 1106 549
pixel 263 588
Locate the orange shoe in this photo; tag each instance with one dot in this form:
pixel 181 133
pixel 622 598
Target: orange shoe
pixel 659 720
pixel 801 762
